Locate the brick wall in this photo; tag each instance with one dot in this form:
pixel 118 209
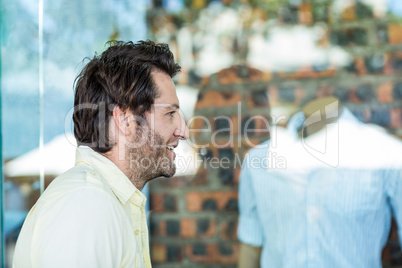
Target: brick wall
pixel 194 218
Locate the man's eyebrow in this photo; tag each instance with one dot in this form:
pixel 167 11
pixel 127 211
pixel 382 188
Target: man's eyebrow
pixel 167 106
pixel 172 106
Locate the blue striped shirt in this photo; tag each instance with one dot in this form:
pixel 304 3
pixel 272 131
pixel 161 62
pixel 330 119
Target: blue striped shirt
pixel 316 210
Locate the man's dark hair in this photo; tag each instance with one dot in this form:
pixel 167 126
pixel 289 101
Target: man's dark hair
pixel 120 76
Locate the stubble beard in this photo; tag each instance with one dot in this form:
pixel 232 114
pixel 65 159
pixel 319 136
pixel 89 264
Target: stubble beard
pixel 151 160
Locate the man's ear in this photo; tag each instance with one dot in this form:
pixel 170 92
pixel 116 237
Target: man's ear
pixel 122 120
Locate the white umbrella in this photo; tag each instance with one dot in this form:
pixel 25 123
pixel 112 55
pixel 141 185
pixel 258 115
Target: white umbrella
pixel 57 157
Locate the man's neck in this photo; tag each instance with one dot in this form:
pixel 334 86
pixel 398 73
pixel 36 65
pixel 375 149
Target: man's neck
pixel 122 161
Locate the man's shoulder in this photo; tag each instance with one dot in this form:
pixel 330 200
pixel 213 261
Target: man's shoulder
pixel 77 181
pixel 80 193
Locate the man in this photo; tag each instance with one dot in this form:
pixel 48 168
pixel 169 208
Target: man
pixel 127 123
pixel 331 204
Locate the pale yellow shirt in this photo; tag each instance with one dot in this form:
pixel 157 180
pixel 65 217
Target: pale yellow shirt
pixel 90 216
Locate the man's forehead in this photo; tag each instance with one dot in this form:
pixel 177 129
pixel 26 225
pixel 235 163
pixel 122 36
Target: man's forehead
pixel 167 97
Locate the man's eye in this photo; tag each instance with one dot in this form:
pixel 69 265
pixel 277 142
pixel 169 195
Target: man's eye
pixel 171 113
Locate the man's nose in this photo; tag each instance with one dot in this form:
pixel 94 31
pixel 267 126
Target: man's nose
pixel 182 131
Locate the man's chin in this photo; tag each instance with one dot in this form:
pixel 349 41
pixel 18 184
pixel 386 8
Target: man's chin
pixel 164 174
pixel 169 169
pixel 169 174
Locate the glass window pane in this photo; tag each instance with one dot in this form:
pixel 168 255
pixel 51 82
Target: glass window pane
pixel 20 112
pixel 71 31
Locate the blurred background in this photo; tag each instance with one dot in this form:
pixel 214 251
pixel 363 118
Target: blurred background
pixel 239 58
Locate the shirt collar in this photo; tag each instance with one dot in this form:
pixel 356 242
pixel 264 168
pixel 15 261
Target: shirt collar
pixel 121 186
pixel 297 120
